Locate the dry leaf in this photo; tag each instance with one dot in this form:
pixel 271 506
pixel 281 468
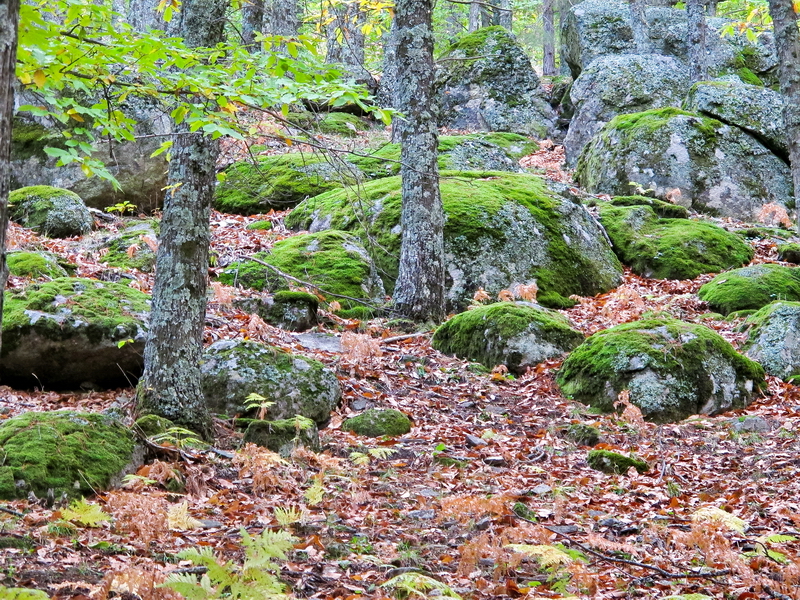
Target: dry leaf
pixel 178 517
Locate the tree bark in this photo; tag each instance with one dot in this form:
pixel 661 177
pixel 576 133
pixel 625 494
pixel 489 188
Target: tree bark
pixel 252 22
pixel 419 292
pixel 346 41
pixel 696 40
pixel 388 84
pixel 787 46
pixel 281 17
pixel 502 15
pixel 478 16
pixel 549 45
pixel 639 26
pixel 170 385
pixel 9 19
pixel 144 16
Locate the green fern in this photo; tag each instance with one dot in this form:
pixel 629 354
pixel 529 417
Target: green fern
pixel 417 584
pixel 287 516
pixel 363 458
pixel 315 493
pixel 180 438
pixel 89 515
pixel 22 594
pixel 548 556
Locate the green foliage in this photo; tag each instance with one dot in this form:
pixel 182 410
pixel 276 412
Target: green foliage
pixel 22 594
pixel 179 438
pixel 751 287
pixel 615 463
pixel 255 579
pixel 90 515
pixel 411 584
pixel 363 458
pixel 122 208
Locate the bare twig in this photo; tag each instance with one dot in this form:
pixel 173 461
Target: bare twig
pixel 11 512
pixel 400 338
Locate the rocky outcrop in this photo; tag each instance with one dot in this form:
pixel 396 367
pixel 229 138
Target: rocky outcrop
pixel 751 288
pixel 773 339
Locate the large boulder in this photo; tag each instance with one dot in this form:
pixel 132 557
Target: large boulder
pixel 517 335
pixel 619 84
pixel 671 369
pixel 671 248
pixel 51 211
pixel 696 161
pixel 487 83
pixel 773 339
pixel 755 109
pixel 232 370
pixel 71 453
pixel 501 229
pixel 595 28
pixel 751 288
pixel 69 331
pixel 35 265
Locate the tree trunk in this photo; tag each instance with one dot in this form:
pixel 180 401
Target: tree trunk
pixel 502 15
pixel 346 41
pixel 170 385
pixel 252 22
pixel 281 17
pixel 787 46
pixel 696 40
pixel 9 18
pixel 478 16
pixel 144 16
pixel 639 26
pixel 388 84
pixel 712 8
pixel 549 46
pixel 419 292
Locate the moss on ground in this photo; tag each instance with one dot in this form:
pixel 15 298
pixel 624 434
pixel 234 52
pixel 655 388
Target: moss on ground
pixel 377 423
pixel 332 260
pixel 751 287
pixel 51 211
pixel 507 333
pixel 614 463
pixel 663 209
pixel 671 248
pixel 752 233
pixel 582 434
pixel 76 453
pixel 260 225
pixel 789 252
pixel 35 265
pixel 334 123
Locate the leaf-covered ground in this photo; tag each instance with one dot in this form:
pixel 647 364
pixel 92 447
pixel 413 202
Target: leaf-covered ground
pixel 487 464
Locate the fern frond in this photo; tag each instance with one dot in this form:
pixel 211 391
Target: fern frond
pixel 417 584
pixel 178 517
pixel 359 459
pixel 287 516
pixel 548 556
pixel 712 513
pixel 381 452
pixel 780 538
pixel 90 515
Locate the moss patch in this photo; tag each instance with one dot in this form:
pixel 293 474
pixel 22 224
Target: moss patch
pixel 582 434
pixel 663 209
pixel 70 452
pixel 789 252
pixel 51 211
pixel 671 248
pixel 751 287
pixel 283 436
pixel 129 250
pixel 35 265
pixel 614 463
pixel 29 140
pixel 150 425
pixel 260 225
pixel 377 423
pixel 507 333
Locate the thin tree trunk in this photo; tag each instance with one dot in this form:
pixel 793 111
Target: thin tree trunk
pixel 696 40
pixel 281 17
pixel 502 14
pixel 252 23
pixel 144 16
pixel 639 26
pixel 478 16
pixel 346 41
pixel 549 46
pixel 419 292
pixel 170 385
pixel 388 84
pixel 787 46
pixel 712 8
pixel 9 18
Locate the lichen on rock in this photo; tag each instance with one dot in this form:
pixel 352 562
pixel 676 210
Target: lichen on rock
pixel 378 422
pixel 53 212
pixel 773 339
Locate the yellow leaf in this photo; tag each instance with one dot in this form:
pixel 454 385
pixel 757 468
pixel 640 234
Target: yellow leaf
pixel 25 78
pixel 178 517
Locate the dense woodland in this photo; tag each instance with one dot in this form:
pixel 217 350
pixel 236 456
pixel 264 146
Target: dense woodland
pixel 360 298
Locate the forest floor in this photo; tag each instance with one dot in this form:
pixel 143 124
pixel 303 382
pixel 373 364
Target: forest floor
pixel 486 465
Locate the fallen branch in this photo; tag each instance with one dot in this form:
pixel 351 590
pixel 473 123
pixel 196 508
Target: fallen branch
pixel 400 338
pixel 11 512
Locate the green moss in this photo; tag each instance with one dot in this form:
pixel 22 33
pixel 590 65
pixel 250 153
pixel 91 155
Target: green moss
pixel 76 453
pixel 260 225
pixel 740 314
pixel 751 287
pixel 335 123
pixel 51 211
pixel 763 232
pixel 360 312
pixel 129 251
pixel 35 265
pixel 284 435
pixel 22 594
pixel 150 425
pixel 614 463
pixel 492 335
pixel 789 252
pixel 663 209
pixel 747 76
pixel 582 434
pixel 108 308
pixel 515 145
pixel 29 140
pixel 332 260
pixel 292 297
pixel 671 248
pixel 378 423
pixel 472 43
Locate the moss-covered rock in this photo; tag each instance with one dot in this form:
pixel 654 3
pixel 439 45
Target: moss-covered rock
pixel 150 425
pixel 665 210
pixel 701 162
pixel 672 370
pixel 333 260
pixel 133 247
pixel 773 339
pixel 35 265
pixel 789 252
pixel 50 211
pixel 70 331
pixel 260 225
pixel 501 229
pixel 518 335
pixel 232 370
pixel 751 287
pixel 283 436
pixel 582 434
pixel 293 311
pixel 378 422
pixel 487 83
pixel 71 452
pixel 22 594
pixel 761 233
pixel 671 248
pixel 614 463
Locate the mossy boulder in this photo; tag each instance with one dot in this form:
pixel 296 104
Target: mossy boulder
pixel 518 335
pixel 789 252
pixel 671 248
pixel 53 212
pixel 150 425
pixel 487 83
pixel 264 225
pixel 71 331
pixel 582 434
pixel 615 463
pixel 35 265
pixel 133 247
pixel 378 423
pixel 69 452
pixel 333 260
pixel 501 229
pixel 751 287
pixel 232 370
pixel 283 436
pixel 293 311
pixel 701 162
pixel 663 209
pixel 773 339
pixel 671 369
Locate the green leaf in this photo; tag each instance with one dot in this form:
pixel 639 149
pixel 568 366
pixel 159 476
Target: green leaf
pixel 84 513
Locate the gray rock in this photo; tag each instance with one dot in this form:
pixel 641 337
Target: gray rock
pixel 751 424
pixel 51 211
pixel 756 110
pixel 696 161
pixel 288 310
pixel 541 489
pixel 283 436
pixel 774 339
pixel 232 370
pixel 423 514
pixel 487 83
pixel 613 85
pixel 321 341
